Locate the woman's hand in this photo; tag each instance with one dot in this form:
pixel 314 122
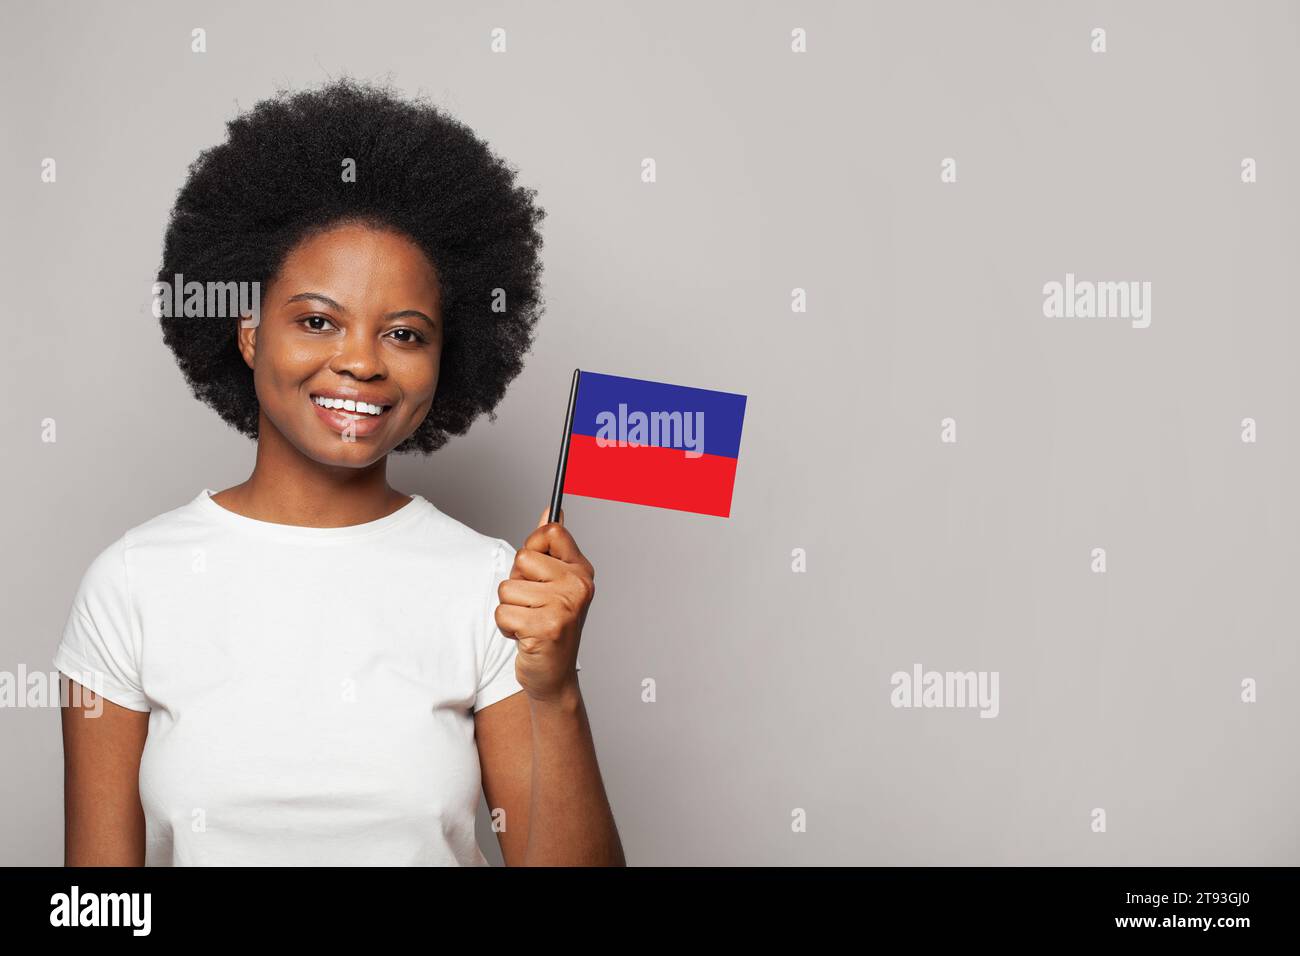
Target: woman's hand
pixel 543 606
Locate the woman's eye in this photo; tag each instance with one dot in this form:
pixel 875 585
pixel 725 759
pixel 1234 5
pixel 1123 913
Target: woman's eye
pixel 414 335
pixel 314 318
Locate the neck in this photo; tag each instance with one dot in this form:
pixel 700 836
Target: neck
pixel 287 487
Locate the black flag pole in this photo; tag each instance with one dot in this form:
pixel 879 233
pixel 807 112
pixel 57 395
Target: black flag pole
pixel 557 494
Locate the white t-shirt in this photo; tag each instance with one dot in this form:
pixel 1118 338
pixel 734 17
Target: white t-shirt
pixel 311 690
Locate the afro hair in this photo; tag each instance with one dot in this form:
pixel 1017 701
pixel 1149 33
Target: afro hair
pixel 277 178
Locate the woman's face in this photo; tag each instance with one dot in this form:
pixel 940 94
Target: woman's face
pixel 353 314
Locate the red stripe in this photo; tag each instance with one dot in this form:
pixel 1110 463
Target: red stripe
pixel 661 477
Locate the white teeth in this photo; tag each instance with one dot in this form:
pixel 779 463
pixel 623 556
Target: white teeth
pixel 348 405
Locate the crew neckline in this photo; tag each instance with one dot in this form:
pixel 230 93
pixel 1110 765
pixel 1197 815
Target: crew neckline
pixel 294 532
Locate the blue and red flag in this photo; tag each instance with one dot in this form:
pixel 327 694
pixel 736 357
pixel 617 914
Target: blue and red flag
pixel 649 443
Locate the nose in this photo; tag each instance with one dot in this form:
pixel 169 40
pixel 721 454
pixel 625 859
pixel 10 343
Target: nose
pixel 358 354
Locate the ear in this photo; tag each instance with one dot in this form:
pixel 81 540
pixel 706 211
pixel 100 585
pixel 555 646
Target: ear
pixel 246 340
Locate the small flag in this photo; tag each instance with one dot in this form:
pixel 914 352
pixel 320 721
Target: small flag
pixel 649 443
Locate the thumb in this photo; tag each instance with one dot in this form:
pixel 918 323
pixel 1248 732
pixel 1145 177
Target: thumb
pixel 546 513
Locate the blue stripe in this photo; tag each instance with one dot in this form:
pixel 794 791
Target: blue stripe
pixel 723 412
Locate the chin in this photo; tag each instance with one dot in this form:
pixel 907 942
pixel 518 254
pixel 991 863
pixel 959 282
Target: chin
pixel 357 454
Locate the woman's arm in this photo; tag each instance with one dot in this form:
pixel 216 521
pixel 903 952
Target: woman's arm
pixel 535 748
pixel 539 766
pixel 103 821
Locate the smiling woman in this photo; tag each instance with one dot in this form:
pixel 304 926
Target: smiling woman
pixel 254 711
pixel 347 319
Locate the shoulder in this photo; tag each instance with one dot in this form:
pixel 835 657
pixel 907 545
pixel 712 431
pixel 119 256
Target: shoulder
pixel 109 569
pixel 181 522
pixel 484 558
pixel 452 534
pixel 106 571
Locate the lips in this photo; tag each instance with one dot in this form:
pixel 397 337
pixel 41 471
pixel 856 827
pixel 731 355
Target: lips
pixel 359 424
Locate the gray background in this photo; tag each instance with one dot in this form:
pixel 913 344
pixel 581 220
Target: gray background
pixel 776 171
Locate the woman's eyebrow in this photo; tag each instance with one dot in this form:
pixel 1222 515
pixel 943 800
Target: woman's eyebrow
pixel 303 296
pixel 413 313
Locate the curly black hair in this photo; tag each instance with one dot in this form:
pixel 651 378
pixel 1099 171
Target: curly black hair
pixel 278 179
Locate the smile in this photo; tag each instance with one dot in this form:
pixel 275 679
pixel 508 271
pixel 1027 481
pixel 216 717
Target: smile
pixel 348 405
pixel 350 416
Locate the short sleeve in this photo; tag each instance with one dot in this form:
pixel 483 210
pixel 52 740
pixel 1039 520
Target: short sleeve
pixel 99 648
pixel 497 654
pixel 497 671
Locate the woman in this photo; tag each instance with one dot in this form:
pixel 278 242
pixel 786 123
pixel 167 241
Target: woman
pixel 312 667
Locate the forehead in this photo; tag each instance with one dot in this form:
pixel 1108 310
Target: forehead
pixel 358 262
